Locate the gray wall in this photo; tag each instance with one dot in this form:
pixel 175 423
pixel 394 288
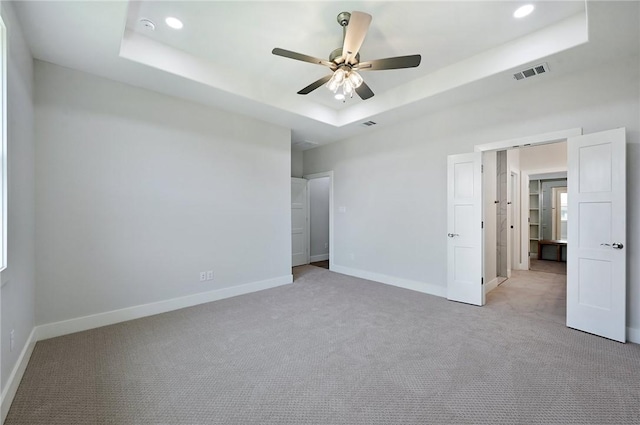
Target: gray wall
pixel 393 180
pixel 319 218
pixel 19 277
pixel 502 233
pixel 138 192
pixel 296 163
pixel 490 194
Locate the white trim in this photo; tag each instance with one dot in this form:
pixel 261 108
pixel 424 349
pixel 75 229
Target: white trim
pixel 491 285
pixel 538 139
pixel 331 212
pixel 633 335
pixel 321 257
pixel 414 285
pixel 3 148
pixel 51 330
pixel 13 382
pixel 517 204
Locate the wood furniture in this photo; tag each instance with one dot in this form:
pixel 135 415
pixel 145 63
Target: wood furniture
pixel 559 245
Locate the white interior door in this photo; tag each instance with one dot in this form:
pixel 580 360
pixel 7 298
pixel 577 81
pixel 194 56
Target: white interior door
pixel 299 222
pixel 596 258
pixel 464 220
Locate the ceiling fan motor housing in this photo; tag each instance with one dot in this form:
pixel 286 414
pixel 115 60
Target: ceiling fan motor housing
pixel 336 56
pixel 343 18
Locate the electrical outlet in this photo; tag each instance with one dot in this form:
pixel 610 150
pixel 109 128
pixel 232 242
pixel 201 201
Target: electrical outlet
pixel 203 276
pixel 210 275
pixel 11 339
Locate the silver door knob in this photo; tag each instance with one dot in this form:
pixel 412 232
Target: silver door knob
pixel 617 245
pixel 451 235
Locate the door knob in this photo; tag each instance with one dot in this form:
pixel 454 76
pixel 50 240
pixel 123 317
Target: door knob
pixel 615 245
pixel 451 235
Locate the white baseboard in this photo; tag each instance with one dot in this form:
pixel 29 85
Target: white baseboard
pixel 52 330
pixel 321 257
pixel 491 285
pixel 633 335
pixel 11 387
pixel 427 288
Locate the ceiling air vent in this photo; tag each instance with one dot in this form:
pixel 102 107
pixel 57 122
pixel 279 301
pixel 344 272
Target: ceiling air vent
pixel 303 145
pixel 530 72
pixel 369 123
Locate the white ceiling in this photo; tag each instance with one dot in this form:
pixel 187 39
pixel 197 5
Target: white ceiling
pixel 222 57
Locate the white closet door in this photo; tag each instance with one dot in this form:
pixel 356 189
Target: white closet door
pixel 299 222
pixel 464 220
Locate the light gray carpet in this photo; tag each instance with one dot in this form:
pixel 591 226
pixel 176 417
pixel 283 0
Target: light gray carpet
pixel 332 349
pixel 558 267
pixel 324 264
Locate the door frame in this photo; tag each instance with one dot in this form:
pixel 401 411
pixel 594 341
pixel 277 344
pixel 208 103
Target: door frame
pixel 331 213
pixel 524 219
pixel 556 222
pixel 513 219
pixel 535 140
pixel 306 220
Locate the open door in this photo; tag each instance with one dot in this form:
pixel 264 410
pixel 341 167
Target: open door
pixel 464 226
pixel 299 222
pixel 596 256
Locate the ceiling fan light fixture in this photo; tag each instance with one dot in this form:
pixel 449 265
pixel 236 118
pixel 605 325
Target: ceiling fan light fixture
pixel 347 88
pixel 333 85
pixel 355 79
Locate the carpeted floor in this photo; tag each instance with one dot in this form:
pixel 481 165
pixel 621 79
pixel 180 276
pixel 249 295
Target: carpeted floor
pixel 324 264
pixel 332 349
pixel 558 267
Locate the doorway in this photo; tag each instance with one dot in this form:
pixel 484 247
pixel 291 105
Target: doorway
pixel 548 243
pixel 318 219
pixel 596 288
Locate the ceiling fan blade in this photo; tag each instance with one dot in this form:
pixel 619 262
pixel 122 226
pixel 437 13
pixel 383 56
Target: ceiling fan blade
pixel 300 57
pixel 311 87
pixel 397 62
pixel 356 32
pixel 364 91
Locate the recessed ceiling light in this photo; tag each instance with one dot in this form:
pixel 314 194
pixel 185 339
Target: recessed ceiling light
pixel 523 11
pixel 339 96
pixel 174 23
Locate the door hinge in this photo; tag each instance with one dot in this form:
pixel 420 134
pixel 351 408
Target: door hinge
pixel 482 281
pixel 482 224
pixel 482 168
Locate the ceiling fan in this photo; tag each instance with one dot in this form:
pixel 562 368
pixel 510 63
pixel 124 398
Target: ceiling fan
pixel 345 61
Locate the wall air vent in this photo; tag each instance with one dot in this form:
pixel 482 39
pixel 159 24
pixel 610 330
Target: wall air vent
pixel 533 71
pixel 369 123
